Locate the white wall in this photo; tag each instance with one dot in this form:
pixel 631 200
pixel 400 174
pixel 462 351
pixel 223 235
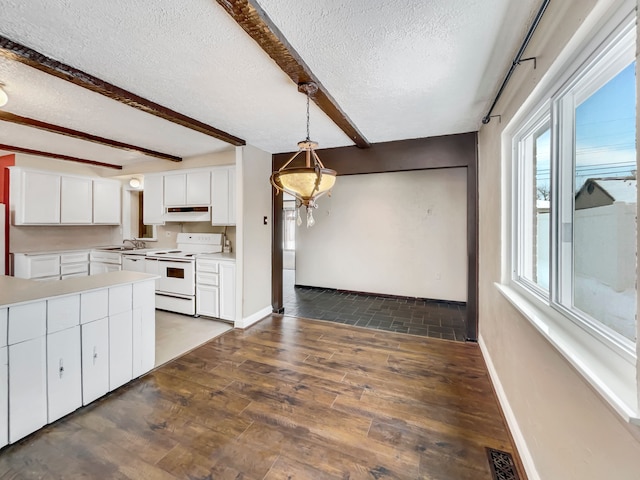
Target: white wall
pixel 563 428
pixel 401 233
pixel 253 167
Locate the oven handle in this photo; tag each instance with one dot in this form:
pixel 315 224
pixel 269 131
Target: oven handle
pixel 175 295
pixel 169 260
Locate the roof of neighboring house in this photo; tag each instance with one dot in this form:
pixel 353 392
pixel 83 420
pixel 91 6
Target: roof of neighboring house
pixel 621 189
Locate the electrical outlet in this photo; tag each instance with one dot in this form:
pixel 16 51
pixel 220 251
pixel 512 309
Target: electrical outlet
pixel 168 233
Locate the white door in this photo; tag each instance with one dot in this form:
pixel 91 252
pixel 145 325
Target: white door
pixel 95 360
pixel 207 301
pixel 120 349
pixel 107 201
pixel 199 188
pixel 144 327
pixel 27 387
pixel 152 200
pixel 4 397
pixel 40 198
pixel 220 197
pixel 175 189
pixel 227 291
pixel 76 199
pixel 64 377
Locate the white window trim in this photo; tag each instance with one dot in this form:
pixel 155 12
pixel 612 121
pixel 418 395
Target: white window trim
pixel 609 368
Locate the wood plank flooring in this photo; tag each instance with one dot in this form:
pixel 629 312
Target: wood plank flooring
pixel 286 399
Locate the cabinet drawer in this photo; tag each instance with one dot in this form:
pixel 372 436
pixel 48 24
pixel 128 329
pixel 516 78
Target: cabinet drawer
pixel 3 326
pixel 44 266
pixel 26 322
pixel 120 299
pixel 94 305
pixel 63 313
pixel 207 266
pixel 73 269
pixel 79 257
pixel 203 278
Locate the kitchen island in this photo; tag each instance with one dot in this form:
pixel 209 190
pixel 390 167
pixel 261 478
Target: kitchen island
pixel 65 344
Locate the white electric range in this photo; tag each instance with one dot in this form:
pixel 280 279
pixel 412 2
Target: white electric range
pixel 176 267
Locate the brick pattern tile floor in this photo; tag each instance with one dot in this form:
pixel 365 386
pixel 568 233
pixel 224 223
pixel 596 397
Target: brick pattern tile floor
pixel 429 318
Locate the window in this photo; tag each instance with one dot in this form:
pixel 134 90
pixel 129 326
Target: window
pixel 290 215
pixel 573 227
pixel 575 192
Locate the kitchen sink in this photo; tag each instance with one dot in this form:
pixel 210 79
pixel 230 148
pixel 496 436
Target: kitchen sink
pixel 121 248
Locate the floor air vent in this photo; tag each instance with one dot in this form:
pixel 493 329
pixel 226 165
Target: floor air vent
pixel 502 466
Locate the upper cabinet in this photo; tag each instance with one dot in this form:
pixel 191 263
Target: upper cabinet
pixel 107 201
pixel 182 189
pixel 213 187
pixel 48 198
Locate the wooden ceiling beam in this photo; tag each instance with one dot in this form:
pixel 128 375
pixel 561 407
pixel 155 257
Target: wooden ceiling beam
pixel 57 156
pixel 25 55
pixel 68 132
pixel 253 20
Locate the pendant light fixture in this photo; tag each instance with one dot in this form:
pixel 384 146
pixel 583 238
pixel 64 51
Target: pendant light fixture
pixel 4 98
pixel 309 182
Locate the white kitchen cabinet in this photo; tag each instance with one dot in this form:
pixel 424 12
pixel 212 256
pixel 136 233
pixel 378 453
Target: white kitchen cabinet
pixel 144 327
pixel 107 202
pixel 4 321
pixel 227 290
pixel 153 200
pixel 120 349
pixel 193 188
pixel 26 322
pixel 133 263
pixel 63 313
pixel 4 396
pixel 95 359
pixel 223 196
pixel 27 387
pixel 64 377
pixel 76 197
pixel 35 196
pixel 207 300
pixel 120 299
pixel 94 305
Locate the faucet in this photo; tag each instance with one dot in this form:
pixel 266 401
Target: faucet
pixel 135 243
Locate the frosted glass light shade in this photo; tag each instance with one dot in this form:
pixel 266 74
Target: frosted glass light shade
pixel 4 98
pixel 301 182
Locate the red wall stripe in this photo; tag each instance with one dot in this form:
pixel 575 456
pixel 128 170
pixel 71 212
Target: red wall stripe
pixel 6 161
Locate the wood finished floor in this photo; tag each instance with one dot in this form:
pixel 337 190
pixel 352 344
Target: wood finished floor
pixel 287 398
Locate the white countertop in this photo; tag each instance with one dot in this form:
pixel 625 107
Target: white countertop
pixel 18 290
pixel 218 256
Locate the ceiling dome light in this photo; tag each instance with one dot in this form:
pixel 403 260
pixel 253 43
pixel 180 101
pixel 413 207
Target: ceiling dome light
pixel 4 98
pixel 134 183
pixel 311 181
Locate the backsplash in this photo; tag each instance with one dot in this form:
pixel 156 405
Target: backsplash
pixel 167 233
pixel 50 238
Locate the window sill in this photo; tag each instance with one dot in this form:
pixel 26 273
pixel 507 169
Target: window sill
pixel 610 372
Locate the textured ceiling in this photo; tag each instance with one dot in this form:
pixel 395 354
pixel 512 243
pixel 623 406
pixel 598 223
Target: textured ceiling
pixel 399 69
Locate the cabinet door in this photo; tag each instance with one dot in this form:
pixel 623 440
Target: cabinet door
pixel 107 202
pixel 207 301
pixel 40 198
pixel 133 263
pixel 227 291
pixel 40 266
pixel 120 349
pixel 199 188
pixel 76 199
pixel 94 305
pixel 220 196
pixel 63 313
pixel 232 196
pixel 64 378
pixel 95 360
pixel 4 397
pixel 144 327
pixel 27 387
pixel 175 189
pixel 153 200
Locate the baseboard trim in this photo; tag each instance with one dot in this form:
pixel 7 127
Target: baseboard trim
pixel 518 438
pixel 256 317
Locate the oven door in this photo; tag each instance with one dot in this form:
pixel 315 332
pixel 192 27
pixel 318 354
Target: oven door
pixel 176 276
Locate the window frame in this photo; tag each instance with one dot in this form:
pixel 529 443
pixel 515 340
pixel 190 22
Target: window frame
pixel 606 359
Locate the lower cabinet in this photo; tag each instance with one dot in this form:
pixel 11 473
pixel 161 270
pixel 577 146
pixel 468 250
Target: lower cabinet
pixel 207 300
pixel 216 288
pixel 120 349
pixel 27 387
pixel 227 290
pixel 4 396
pixel 64 376
pixel 95 360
